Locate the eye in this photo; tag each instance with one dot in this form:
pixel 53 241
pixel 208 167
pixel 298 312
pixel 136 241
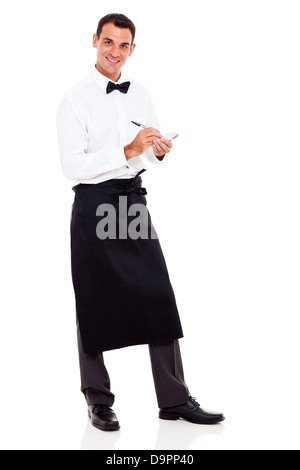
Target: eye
pixel 124 46
pixel 107 42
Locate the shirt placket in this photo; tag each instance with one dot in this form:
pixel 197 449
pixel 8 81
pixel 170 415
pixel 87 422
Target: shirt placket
pixel 121 118
pixel 122 125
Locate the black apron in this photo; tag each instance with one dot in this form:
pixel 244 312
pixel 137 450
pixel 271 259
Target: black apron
pixel 122 288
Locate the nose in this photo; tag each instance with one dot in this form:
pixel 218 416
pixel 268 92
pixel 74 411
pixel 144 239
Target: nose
pixel 114 52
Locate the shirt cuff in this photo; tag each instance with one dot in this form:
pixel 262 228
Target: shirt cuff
pixel 152 157
pixel 118 157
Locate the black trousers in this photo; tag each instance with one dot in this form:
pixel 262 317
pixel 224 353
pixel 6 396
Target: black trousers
pixel 167 370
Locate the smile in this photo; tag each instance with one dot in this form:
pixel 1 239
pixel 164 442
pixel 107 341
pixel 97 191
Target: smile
pixel 112 61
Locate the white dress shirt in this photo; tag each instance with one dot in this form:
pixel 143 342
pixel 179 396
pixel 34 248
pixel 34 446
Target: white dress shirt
pixel 94 127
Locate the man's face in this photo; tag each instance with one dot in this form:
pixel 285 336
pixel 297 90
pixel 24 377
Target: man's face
pixel 113 49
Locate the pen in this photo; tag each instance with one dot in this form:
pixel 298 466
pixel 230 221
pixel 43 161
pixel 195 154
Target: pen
pixel 138 124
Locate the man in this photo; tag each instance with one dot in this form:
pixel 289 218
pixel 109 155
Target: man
pixel 123 293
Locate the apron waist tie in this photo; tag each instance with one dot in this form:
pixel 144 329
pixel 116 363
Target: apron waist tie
pixel 135 186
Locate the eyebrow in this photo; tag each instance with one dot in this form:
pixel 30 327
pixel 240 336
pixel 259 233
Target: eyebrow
pixel 123 43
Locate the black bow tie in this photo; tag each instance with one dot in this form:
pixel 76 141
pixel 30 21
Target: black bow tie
pixel 123 87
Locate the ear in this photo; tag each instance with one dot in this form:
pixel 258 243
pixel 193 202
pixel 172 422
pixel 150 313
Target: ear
pixel 95 41
pixel 132 47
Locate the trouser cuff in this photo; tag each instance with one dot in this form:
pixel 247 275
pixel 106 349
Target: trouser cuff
pixel 174 401
pixel 95 398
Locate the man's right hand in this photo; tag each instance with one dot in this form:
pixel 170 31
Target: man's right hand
pixel 142 142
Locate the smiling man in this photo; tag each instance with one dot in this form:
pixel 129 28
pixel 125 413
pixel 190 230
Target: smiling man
pixel 113 49
pixel 122 288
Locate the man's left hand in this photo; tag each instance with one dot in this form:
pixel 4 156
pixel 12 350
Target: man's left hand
pixel 162 146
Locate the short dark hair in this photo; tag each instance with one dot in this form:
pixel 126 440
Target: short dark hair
pixel 119 20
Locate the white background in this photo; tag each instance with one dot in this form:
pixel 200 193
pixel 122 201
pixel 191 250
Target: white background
pixel 225 74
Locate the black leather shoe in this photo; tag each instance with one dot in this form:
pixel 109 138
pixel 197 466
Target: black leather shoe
pixel 191 412
pixel 103 418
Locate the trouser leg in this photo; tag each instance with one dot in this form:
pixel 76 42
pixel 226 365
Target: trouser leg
pixel 168 374
pixel 95 381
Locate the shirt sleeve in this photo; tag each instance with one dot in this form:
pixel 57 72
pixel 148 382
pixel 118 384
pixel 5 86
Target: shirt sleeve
pixel 76 162
pixel 152 121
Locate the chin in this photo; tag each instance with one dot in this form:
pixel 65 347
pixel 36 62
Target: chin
pixel 112 68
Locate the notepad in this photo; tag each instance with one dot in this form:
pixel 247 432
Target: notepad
pixel 170 135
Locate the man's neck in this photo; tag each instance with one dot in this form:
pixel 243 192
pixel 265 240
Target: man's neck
pixel 114 77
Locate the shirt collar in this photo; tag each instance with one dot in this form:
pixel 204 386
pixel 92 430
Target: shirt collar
pixel 103 81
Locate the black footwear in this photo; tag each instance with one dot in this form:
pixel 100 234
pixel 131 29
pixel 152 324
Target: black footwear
pixel 191 412
pixel 103 418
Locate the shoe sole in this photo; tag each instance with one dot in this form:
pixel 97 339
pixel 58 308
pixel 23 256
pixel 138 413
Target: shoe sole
pixel 103 428
pixel 170 417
